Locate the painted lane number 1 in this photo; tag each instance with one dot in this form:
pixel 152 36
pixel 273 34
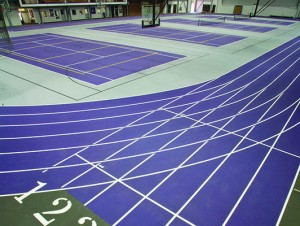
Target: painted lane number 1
pixel 41 216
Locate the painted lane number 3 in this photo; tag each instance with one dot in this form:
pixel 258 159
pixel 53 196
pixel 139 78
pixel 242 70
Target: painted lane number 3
pixel 41 216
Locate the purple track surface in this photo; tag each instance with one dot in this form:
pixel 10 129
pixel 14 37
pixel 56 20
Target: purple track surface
pixel 225 25
pixel 90 61
pixel 196 37
pixel 224 151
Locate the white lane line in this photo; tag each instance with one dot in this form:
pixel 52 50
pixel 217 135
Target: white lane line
pixel 164 150
pixel 234 149
pixel 259 168
pixel 121 129
pixel 119 180
pixel 120 141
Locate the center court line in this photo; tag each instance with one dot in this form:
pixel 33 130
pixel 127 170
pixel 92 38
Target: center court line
pixel 31 39
pixel 99 57
pixel 43 45
pixel 83 51
pixel 125 61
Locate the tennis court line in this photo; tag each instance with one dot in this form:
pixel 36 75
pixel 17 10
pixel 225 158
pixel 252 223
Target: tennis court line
pixel 54 45
pixel 137 29
pixel 117 45
pixel 184 32
pixel 43 45
pixel 121 62
pixel 216 38
pixel 42 61
pixel 153 36
pixel 76 52
pixel 76 71
pixel 31 39
pixel 100 57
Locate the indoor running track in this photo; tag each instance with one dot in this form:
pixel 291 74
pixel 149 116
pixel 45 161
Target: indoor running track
pixel 224 151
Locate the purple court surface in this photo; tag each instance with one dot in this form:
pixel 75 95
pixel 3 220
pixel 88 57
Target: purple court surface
pixel 216 23
pixel 250 20
pixel 225 151
pixel 90 61
pixel 260 21
pixel 196 37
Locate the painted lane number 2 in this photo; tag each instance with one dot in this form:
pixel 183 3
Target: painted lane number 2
pixel 41 216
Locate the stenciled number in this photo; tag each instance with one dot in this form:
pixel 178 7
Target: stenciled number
pixel 83 219
pixel 44 221
pixel 22 197
pixel 41 218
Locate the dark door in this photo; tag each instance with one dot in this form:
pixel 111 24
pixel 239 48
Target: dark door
pixel 174 8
